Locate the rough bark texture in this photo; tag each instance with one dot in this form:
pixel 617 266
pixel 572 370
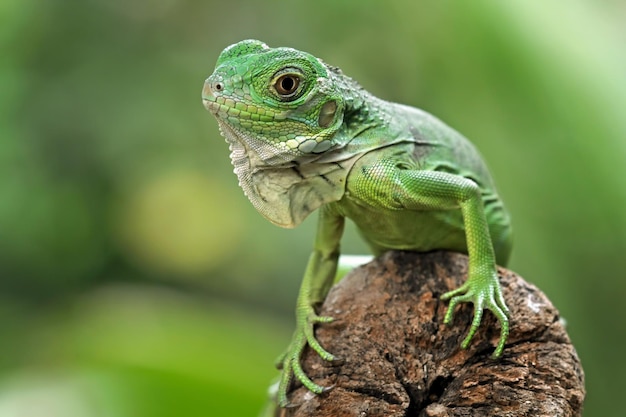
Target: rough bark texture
pixel 398 359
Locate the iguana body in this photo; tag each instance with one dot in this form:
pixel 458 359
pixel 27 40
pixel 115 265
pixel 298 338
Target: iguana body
pixel 304 136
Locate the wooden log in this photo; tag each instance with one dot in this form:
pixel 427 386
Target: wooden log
pixel 399 359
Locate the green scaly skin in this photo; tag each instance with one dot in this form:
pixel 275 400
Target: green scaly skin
pixel 303 136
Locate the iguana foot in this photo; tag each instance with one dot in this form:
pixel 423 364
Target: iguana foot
pixel 289 361
pixel 485 293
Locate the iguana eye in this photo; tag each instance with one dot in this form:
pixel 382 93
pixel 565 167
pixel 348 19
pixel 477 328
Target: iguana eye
pixel 287 85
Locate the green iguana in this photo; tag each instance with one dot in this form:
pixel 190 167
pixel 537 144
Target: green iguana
pixel 304 136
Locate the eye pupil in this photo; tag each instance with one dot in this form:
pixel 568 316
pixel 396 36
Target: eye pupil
pixel 287 83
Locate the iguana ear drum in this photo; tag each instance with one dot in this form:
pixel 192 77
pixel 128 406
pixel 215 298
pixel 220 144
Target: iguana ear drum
pixel 327 114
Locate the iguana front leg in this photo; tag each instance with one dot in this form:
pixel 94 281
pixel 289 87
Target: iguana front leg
pixel 444 191
pixel 318 278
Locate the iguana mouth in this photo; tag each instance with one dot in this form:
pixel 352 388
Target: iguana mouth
pixel 209 101
pixel 231 106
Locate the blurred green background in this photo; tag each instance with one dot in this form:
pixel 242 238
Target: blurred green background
pixel 137 280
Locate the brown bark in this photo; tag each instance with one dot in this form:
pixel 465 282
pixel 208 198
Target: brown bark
pixel 398 359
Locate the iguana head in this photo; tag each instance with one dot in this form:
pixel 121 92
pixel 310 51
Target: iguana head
pixel 279 110
pixel 277 103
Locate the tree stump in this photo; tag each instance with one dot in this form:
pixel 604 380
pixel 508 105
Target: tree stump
pixel 400 360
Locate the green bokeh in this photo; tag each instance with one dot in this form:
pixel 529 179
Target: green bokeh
pixel 121 222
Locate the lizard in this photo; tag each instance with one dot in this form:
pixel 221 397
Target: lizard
pixel 303 137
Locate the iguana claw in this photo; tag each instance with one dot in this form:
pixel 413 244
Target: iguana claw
pixel 289 361
pixel 484 293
